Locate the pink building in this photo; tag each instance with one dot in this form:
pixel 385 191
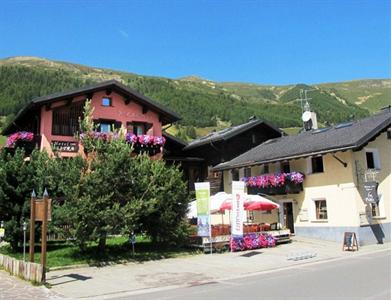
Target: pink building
pixel 54 119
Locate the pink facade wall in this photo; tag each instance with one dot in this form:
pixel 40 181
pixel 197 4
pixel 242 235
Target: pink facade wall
pixel 119 111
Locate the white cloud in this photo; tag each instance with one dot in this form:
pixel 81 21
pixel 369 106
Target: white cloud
pixel 123 33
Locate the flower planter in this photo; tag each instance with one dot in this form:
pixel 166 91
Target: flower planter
pixel 252 241
pixel 293 188
pixel 275 184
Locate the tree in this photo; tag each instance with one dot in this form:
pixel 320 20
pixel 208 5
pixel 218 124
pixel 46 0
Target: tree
pixel 18 177
pixel 119 192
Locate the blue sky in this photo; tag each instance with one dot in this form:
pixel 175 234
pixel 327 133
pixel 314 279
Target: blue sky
pixel 276 42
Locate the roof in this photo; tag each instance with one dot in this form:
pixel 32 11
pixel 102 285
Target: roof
pixel 168 115
pixel 174 139
pixel 346 136
pixel 228 133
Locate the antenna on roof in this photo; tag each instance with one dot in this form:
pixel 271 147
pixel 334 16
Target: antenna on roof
pixel 308 117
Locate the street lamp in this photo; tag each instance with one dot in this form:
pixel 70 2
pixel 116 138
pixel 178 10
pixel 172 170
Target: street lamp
pixel 24 240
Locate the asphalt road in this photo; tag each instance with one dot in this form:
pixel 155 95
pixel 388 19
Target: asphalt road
pixel 359 277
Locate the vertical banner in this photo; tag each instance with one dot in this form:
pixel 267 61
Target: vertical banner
pixel 202 190
pixel 237 208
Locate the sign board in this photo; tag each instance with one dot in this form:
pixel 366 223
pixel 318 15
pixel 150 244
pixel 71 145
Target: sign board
pixel 350 241
pixel 370 192
pixel 2 232
pixel 202 190
pixel 39 210
pixel 64 146
pixel 132 238
pixel 303 214
pixel 237 208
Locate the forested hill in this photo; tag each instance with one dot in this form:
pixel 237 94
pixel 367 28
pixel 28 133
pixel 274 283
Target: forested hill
pixel 200 102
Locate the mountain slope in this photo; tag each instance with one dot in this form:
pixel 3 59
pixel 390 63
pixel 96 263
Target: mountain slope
pixel 200 102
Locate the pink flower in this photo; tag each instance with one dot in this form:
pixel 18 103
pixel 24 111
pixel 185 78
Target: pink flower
pixel 19 136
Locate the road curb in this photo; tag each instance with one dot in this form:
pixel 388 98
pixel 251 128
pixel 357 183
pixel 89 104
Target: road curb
pixel 220 280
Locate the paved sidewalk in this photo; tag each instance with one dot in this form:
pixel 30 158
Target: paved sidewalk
pixel 136 278
pixel 14 288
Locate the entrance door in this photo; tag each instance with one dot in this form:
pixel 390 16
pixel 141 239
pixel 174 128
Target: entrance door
pixel 288 216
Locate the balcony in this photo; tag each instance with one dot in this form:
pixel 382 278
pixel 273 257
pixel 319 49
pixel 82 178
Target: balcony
pixel 275 184
pixel 141 144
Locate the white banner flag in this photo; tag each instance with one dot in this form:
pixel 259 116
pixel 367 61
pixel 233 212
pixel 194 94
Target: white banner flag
pixel 237 208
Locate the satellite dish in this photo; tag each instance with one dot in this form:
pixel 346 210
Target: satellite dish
pixel 306 116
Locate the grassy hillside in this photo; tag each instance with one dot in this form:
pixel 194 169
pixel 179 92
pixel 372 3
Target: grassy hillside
pixel 201 103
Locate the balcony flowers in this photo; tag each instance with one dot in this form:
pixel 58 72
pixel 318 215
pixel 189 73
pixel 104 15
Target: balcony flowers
pixel 274 180
pixel 296 177
pixel 145 140
pixel 21 136
pixel 102 136
pixel 142 143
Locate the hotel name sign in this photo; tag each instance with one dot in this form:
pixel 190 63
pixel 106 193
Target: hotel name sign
pixel 63 146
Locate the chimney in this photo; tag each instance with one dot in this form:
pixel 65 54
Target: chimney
pixel 314 120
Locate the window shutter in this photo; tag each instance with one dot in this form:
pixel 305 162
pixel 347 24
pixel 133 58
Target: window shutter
pixel 309 165
pixel 117 125
pixel 311 210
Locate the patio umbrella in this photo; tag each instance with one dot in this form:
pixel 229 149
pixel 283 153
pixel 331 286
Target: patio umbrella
pixel 215 204
pixel 217 200
pixel 257 202
pixel 251 202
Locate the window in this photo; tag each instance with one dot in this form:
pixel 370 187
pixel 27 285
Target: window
pixel 66 119
pixel 106 101
pixel 247 172
pixel 317 164
pixel 285 167
pixel 265 169
pixel 372 159
pixel 377 209
pixel 138 128
pixel 106 127
pixel 320 209
pixel 235 175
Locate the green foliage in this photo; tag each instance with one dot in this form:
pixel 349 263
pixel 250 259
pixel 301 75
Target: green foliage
pixel 18 177
pixel 200 102
pixel 20 84
pixel 65 253
pixel 119 193
pixel 3 140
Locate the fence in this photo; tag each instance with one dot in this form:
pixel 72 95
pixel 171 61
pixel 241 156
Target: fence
pixel 26 270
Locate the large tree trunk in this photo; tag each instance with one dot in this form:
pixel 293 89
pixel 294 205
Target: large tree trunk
pixel 102 243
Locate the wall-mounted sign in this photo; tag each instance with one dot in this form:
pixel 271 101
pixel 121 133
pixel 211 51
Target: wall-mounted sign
pixel 303 214
pixel 63 146
pixel 370 192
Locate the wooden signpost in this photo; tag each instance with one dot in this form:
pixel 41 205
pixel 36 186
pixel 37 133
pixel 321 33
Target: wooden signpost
pixel 350 241
pixel 41 210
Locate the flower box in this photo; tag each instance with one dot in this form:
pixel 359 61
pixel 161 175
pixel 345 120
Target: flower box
pixel 23 139
pixel 275 184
